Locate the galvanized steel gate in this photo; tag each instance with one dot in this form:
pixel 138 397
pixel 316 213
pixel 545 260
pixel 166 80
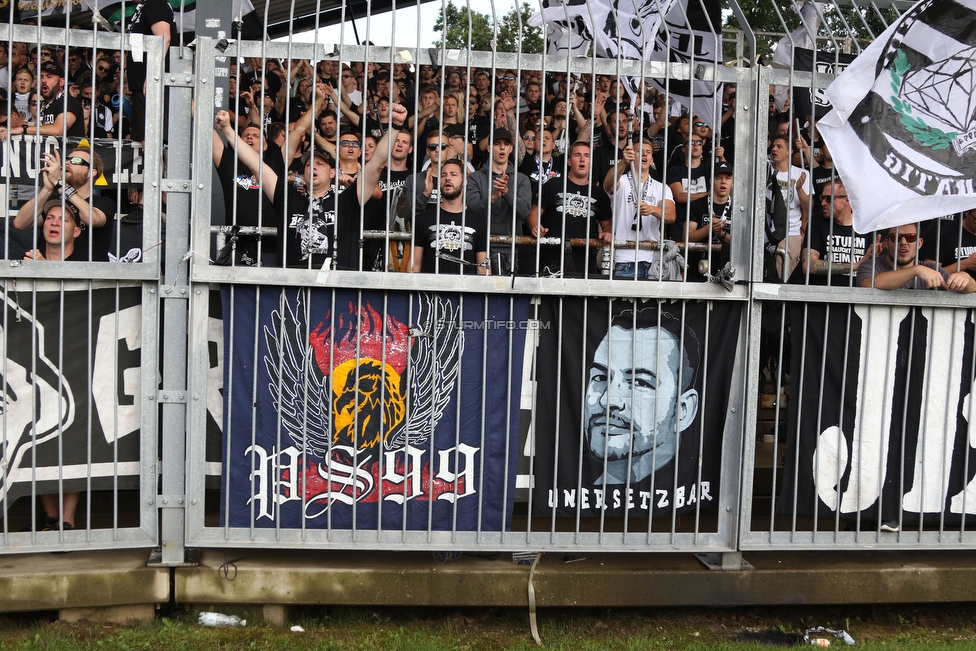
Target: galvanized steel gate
pixel 181 363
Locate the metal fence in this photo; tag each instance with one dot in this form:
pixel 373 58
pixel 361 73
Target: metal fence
pixel 319 403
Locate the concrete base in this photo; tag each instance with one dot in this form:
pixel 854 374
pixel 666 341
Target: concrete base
pixel 117 585
pixel 623 580
pixel 109 614
pixel 85 580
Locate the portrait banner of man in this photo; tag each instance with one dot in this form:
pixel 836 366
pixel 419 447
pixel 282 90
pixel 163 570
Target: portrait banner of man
pixel 65 369
pixel 371 409
pixel 632 422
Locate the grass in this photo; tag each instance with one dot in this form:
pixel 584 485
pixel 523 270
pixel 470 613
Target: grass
pixel 950 626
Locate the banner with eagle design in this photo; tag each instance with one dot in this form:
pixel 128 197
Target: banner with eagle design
pixel 370 410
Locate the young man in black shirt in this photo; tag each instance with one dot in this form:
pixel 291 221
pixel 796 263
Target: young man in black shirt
pixel 449 237
pixel 574 207
pixel 60 113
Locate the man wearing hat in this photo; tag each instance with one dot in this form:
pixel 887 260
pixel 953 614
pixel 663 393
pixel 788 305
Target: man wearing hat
pixel 61 227
pixel 60 113
pixel 72 180
pixel 505 195
pixel 710 221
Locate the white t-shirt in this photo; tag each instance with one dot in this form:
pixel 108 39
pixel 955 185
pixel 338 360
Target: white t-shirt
pixel 787 183
pixel 626 225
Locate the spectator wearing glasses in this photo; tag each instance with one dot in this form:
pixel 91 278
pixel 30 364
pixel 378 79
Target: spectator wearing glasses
pixel 898 267
pixel 834 247
pixel 77 65
pixel 421 188
pixel 73 183
pixel 689 181
pixel 350 152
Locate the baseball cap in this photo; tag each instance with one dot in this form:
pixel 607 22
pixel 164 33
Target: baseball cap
pixel 324 155
pixel 56 203
pixel 455 131
pixel 722 167
pixel 51 67
pixel 503 134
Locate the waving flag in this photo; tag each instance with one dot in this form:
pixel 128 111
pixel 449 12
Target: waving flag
pixel 903 128
pixel 634 29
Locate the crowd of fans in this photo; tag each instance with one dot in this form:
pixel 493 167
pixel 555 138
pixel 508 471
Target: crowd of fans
pixel 560 174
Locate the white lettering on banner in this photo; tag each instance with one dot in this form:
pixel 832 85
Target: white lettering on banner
pixel 940 395
pixel 868 450
pixel 463 478
pixel 872 418
pixel 266 473
pixel 349 476
pixel 116 373
pixel 617 498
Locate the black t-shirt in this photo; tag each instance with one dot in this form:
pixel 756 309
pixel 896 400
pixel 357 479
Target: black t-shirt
pixel 692 181
pixel 378 216
pixel 703 211
pixel 126 237
pixel 820 177
pixel 580 208
pixel 146 15
pixel 604 158
pixel 837 244
pixel 318 228
pixel 102 241
pixel 51 110
pixel 955 245
pixel 461 235
pixel 250 207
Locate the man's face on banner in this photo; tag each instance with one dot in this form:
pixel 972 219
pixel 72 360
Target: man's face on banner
pixel 634 408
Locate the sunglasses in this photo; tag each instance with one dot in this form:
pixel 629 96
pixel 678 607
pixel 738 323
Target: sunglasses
pixel 434 147
pixel 695 142
pixel 700 124
pixel 528 137
pixel 828 197
pixel 77 160
pixel 102 70
pixel 908 237
pixel 348 143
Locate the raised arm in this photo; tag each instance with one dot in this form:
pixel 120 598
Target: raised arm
pixel 250 158
pixel 371 172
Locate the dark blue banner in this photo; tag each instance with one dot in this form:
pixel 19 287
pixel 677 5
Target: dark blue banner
pixel 376 409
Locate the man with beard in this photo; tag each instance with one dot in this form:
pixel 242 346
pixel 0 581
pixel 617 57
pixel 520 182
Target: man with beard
pixel 835 248
pixel 451 238
pixel 318 229
pixel 60 113
pixel 640 395
pixel 573 207
pixel 73 183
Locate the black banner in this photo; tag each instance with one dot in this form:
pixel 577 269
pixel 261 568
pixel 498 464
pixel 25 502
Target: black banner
pixel 71 383
pixel 808 100
pixel 888 432
pixel 122 160
pixel 629 421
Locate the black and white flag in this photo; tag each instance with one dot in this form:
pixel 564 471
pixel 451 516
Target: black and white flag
pixel 675 31
pixel 903 129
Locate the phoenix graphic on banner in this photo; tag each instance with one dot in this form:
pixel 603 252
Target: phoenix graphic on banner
pixel 642 432
pixel 883 427
pixel 371 411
